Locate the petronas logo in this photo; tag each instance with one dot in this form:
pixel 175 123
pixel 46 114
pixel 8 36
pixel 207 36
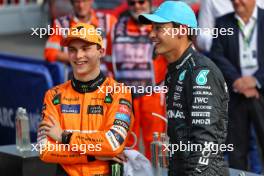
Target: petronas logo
pixel 182 75
pixel 201 79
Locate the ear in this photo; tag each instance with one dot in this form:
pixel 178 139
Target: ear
pixel 102 52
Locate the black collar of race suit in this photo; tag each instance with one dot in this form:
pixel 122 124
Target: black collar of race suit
pixel 90 86
pixel 184 57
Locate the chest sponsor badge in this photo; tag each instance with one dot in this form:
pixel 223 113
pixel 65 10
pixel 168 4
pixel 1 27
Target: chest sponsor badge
pixel 57 99
pixel 201 78
pixel 108 98
pixel 70 109
pixel 95 109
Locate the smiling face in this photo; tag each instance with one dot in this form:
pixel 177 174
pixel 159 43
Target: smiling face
pixel 163 41
pixel 169 40
pixel 84 58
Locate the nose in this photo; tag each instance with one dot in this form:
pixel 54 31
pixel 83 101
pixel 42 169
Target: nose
pixel 80 54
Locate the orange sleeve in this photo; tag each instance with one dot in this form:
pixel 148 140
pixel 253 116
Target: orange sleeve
pixel 109 40
pixel 113 137
pixel 53 45
pixel 51 151
pixel 112 22
pixel 160 68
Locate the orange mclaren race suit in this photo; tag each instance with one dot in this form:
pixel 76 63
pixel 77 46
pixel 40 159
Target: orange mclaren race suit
pixel 104 22
pixel 98 121
pixel 135 65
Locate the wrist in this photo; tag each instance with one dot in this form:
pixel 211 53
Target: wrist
pixel 66 137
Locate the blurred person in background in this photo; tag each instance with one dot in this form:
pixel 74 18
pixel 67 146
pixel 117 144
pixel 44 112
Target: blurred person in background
pixel 240 58
pixel 58 8
pixel 136 64
pixel 208 12
pixel 82 12
pixel 90 124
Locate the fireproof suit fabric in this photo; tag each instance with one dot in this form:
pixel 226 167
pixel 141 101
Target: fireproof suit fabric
pixel 144 105
pixel 99 121
pixel 197 103
pixel 105 22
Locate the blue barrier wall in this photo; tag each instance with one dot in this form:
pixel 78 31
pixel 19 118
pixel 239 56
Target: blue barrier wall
pixel 56 69
pixel 22 85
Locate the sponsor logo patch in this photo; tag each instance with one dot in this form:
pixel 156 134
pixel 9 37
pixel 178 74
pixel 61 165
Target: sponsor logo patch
pixel 121 123
pixel 201 121
pixel 108 99
pixel 70 109
pixel 124 109
pixel 125 102
pixel 175 114
pixel 201 114
pixel 201 100
pixel 121 130
pixel 182 75
pixel 57 99
pixel 112 140
pixel 201 78
pixel 95 109
pixel 123 117
pixel 70 99
pixel 118 137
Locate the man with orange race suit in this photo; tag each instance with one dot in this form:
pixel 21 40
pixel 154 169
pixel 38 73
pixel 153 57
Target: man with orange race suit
pixel 135 64
pixel 85 121
pixel 82 12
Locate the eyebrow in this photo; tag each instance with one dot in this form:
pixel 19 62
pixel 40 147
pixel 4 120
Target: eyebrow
pixel 82 46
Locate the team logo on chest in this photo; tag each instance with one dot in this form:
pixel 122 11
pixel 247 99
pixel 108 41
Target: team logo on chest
pixel 95 109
